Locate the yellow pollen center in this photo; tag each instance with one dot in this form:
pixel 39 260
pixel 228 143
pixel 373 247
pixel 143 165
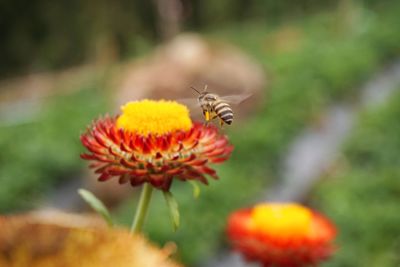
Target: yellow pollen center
pixel 154 117
pixel 285 220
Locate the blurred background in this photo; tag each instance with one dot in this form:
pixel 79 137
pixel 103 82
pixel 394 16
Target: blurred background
pixel 321 128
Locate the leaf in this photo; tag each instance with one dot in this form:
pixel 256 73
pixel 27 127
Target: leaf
pixel 96 204
pixel 196 189
pixel 173 209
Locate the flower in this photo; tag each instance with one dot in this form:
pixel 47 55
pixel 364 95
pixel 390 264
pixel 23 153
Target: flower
pixel 281 234
pixel 53 239
pixel 154 142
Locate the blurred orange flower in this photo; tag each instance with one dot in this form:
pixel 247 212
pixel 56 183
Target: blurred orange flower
pixel 281 234
pixel 153 142
pixel 58 239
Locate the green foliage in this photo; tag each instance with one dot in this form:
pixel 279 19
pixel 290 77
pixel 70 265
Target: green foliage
pixel 363 196
pixel 42 35
pixel 97 205
pixel 173 209
pixel 37 155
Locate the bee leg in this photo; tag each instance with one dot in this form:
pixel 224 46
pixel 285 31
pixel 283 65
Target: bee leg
pixel 221 123
pixel 206 123
pixel 207 115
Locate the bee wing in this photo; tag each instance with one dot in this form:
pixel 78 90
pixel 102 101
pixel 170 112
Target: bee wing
pixel 236 99
pixel 193 105
pixel 189 102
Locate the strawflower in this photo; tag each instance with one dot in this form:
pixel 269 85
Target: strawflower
pixel 152 143
pixel 281 234
pixel 54 239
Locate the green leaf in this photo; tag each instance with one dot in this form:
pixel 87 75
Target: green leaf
pixel 196 189
pixel 97 205
pixel 173 209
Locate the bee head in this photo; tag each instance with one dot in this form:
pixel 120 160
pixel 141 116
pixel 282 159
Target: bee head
pixel 209 97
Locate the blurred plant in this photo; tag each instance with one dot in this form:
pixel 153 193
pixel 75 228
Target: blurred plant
pixel 57 239
pixel 97 205
pixel 277 234
pixel 367 175
pixel 151 143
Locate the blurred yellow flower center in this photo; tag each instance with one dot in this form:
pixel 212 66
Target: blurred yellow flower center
pixel 154 117
pixel 285 220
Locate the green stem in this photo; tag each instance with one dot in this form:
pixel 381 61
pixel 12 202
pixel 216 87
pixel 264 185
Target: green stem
pixel 141 211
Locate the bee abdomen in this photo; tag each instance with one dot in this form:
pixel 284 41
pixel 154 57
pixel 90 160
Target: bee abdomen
pixel 224 111
pixel 219 105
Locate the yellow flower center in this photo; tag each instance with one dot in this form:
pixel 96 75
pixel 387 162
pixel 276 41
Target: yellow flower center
pixel 282 220
pixel 154 117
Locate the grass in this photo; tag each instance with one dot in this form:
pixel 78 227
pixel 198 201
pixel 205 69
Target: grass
pixel 39 154
pixel 362 196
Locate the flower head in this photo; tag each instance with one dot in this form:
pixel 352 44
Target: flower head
pixel 154 142
pixel 278 234
pixel 54 239
pixel 154 117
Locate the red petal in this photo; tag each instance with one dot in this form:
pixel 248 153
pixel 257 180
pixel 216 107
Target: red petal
pixel 87 156
pixel 135 181
pixel 104 177
pixel 123 179
pixel 100 139
pixel 114 135
pixel 128 164
pixel 209 171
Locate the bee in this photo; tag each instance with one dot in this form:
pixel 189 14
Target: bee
pixel 213 106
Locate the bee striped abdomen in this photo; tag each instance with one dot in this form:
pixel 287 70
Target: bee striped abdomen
pixel 224 111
